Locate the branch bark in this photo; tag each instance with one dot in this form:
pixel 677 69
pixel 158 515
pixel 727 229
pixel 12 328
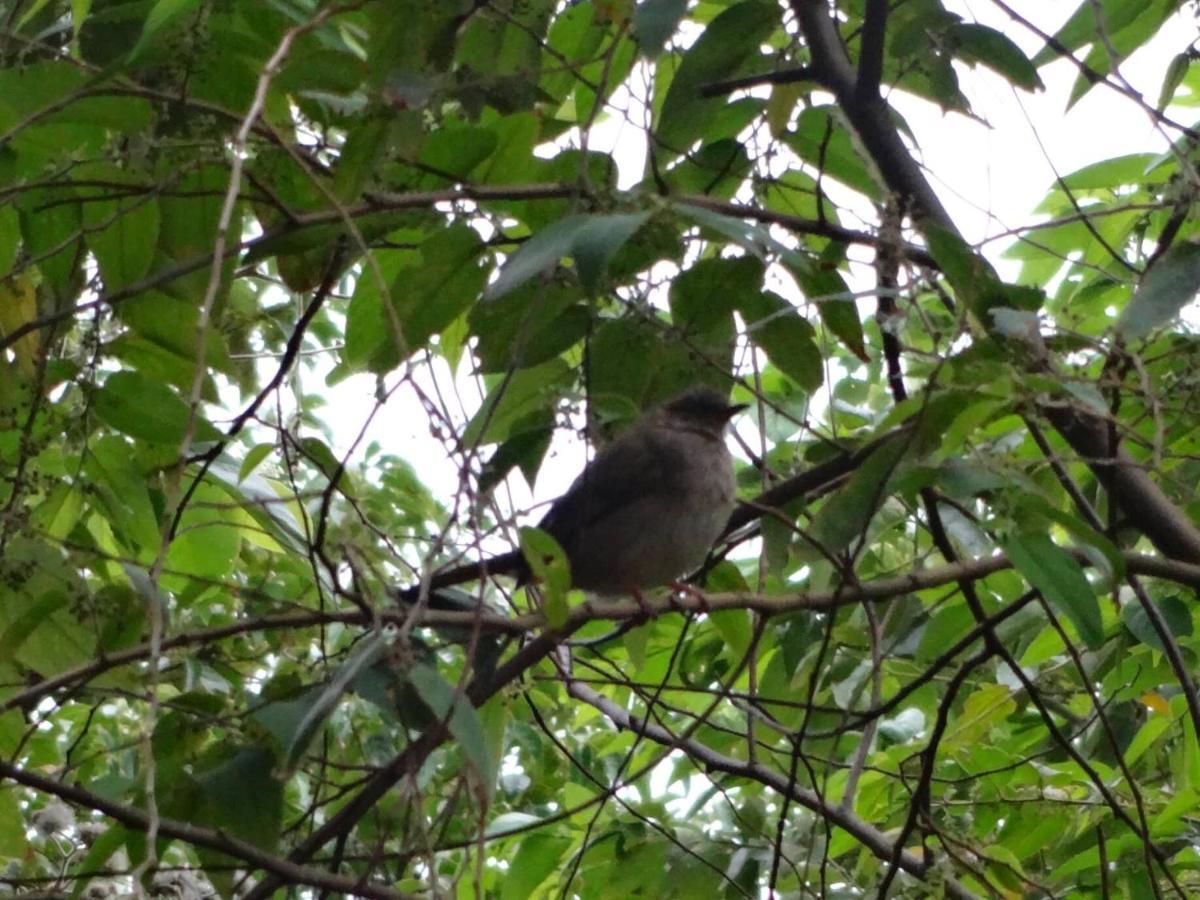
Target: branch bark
pixel 1140 499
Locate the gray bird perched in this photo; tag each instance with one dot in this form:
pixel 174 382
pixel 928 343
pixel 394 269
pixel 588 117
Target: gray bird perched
pixel 648 508
pixel 644 512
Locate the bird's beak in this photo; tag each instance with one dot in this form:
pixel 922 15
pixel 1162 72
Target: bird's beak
pixel 735 408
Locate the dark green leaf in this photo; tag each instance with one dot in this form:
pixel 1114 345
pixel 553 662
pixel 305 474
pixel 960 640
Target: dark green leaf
pixel 1060 580
pixel 1174 611
pixel 720 52
pixel 122 234
pixel 162 14
pixel 243 796
pixel 824 286
pixel 845 515
pixel 981 44
pixel 784 335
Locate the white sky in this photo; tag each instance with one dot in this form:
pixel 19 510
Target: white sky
pixel 990 179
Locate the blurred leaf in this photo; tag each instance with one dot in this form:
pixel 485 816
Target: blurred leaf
pixel 1169 286
pixel 1176 72
pixel 243 796
pixel 146 409
pixel 551 568
pixel 981 44
pixel 295 722
pixel 654 21
pixel 536 858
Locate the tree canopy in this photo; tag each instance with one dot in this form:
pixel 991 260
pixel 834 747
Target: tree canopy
pixel 253 645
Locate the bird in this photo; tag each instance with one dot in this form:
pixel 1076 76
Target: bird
pixel 644 512
pixel 649 507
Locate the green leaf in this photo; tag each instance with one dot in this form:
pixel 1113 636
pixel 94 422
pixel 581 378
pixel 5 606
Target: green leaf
pixel 146 409
pixel 845 515
pixel 1176 72
pixel 1115 173
pixel 162 14
pixel 550 566
pixel 295 722
pixel 821 139
pixel 39 590
pixel 1060 579
pixel 535 860
pixel 590 239
pixel 723 47
pixel 100 852
pixel 1174 612
pixel 1169 286
pixel 208 539
pixel 441 696
pixel 122 233
pixel 12 826
pixel 254 456
pixel 10 238
pixel 598 240
pixel 170 325
pixel 824 285
pixel 124 498
pixel 52 224
pixel 734 627
pixel 654 21
pixel 448 279
pixel 981 44
pixel 511 405
pixel 243 796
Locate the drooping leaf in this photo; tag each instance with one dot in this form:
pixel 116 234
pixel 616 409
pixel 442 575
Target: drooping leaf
pixel 1060 580
pixel 845 516
pixel 726 44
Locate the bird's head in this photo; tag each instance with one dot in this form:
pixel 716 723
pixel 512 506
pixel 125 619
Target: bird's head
pixel 702 407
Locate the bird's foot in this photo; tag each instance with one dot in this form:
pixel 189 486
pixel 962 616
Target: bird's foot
pixel 679 587
pixel 647 611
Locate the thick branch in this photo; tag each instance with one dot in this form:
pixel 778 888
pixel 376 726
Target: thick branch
pixel 1141 500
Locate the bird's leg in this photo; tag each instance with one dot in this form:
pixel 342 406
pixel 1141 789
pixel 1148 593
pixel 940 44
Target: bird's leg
pixel 679 587
pixel 647 612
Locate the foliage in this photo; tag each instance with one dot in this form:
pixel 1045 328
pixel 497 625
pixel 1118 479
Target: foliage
pixel 948 650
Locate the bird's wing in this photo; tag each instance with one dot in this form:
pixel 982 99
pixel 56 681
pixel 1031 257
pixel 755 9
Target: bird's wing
pixel 636 465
